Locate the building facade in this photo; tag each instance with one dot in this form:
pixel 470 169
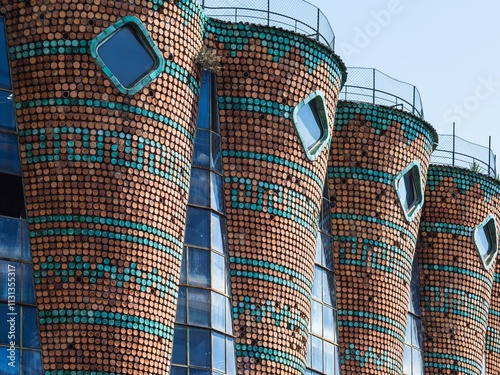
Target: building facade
pixel 192 189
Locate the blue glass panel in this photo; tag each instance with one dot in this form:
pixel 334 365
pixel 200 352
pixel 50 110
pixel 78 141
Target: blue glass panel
pixel 316 353
pixel 10 238
pixel 31 362
pixel 26 242
pixel 10 277
pixel 408 190
pixel 217 192
pixel 408 330
pixel 204 102
pixel 198 267
pixel 218 233
pixel 201 156
pixel 28 295
pixel 126 57
pixel 4 60
pixel 317 291
pixel 7 113
pixel 309 124
pixel 417 363
pixel 179 354
pixel 199 307
pixel 416 333
pixel 199 190
pixel 218 312
pixel 329 288
pixel 199 347
pixel 319 250
pixel 216 153
pixel 9 365
pixel 30 328
pixel 414 271
pixel 195 371
pixel 415 300
pixel 219 351
pixel 229 320
pixel 327 251
pixel 9 154
pixel 10 327
pixel 231 357
pixel 329 328
pixel 198 227
pixel 178 370
pixel 329 358
pixel 218 272
pixel 183 279
pixel 407 361
pixel 181 315
pixel 316 318
pixel 308 356
pixel 337 361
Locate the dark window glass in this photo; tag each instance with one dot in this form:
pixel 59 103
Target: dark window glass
pixel 216 153
pixel 199 191
pixel 179 355
pixel 7 114
pixel 4 60
pixel 9 154
pixel 217 193
pixel 179 370
pixel 484 240
pixel 5 368
pixel 202 149
pixel 10 238
pixel 126 57
pixel 309 124
pixel 27 285
pixel 5 333
pixel 199 307
pixel 181 316
pixel 11 196
pixel 26 240
pixel 199 347
pixel 204 102
pixel 10 272
pixel 30 328
pixel 198 227
pixel 199 267
pixel 408 190
pixel 31 363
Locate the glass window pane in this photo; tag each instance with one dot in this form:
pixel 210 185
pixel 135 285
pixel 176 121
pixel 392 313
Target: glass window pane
pixel 181 316
pixel 216 153
pixel 218 312
pixel 178 370
pixel 319 249
pixel 7 113
pixel 317 290
pixel 30 328
pixel 10 238
pixel 26 242
pixel 415 297
pixel 11 195
pixel 198 227
pixel 195 371
pixel 27 284
pixel 407 361
pixel 217 193
pixel 418 363
pixel 316 318
pixel 317 353
pixel 7 360
pixel 198 267
pixel 199 347
pixel 329 328
pixel 4 60
pixel 218 272
pixel 309 124
pixel 201 156
pixel 231 356
pixel 9 329
pixel 409 324
pixel 327 251
pixel 229 320
pixel 416 335
pixel 204 102
pixel 198 307
pixel 329 288
pixel 219 351
pixel 218 233
pixel 126 57
pixel 32 362
pixel 183 279
pixel 179 355
pixel 9 154
pixel 10 276
pixel 199 190
pixel 308 357
pixel 329 359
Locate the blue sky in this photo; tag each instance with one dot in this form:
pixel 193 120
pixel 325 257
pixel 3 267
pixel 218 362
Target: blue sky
pixel 449 50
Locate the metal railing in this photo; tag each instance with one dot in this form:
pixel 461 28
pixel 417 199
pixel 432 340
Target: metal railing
pixel 295 15
pixel 370 85
pixel 455 151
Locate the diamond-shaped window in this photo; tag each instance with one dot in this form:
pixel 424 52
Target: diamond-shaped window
pixel 311 120
pixel 408 186
pixel 485 238
pixel 128 55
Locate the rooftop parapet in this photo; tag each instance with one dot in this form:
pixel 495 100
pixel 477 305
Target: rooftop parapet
pixel 295 15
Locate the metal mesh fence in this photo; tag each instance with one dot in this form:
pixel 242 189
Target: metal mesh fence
pixel 295 15
pixel 455 151
pixel 372 86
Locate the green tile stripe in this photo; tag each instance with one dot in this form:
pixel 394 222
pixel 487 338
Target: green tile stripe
pixel 496 277
pixel 374 220
pixel 493 340
pixel 105 234
pixel 365 356
pixel 448 366
pixel 175 70
pixel 495 312
pixel 255 105
pixel 344 321
pixel 361 174
pixel 275 160
pixel 270 355
pixel 94 271
pixel 111 319
pixel 106 105
pixel 271 266
pixel 458 229
pixel 272 279
pixel 105 221
pixel 459 271
pixel 267 311
pixel 381 118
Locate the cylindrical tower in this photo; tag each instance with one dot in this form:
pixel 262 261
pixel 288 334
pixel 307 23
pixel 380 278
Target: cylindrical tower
pixel 377 168
pixel 492 348
pixel 457 250
pixel 277 96
pixel 106 98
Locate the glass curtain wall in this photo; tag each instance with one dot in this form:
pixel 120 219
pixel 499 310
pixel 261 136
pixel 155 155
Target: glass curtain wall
pixel 203 339
pixel 323 350
pixel 19 340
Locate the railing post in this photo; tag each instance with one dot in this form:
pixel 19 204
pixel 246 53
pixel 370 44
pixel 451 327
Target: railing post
pixel 317 25
pixel 453 153
pixel 489 156
pixel 203 4
pixel 373 86
pixel 414 97
pixel 268 12
pixel 236 15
